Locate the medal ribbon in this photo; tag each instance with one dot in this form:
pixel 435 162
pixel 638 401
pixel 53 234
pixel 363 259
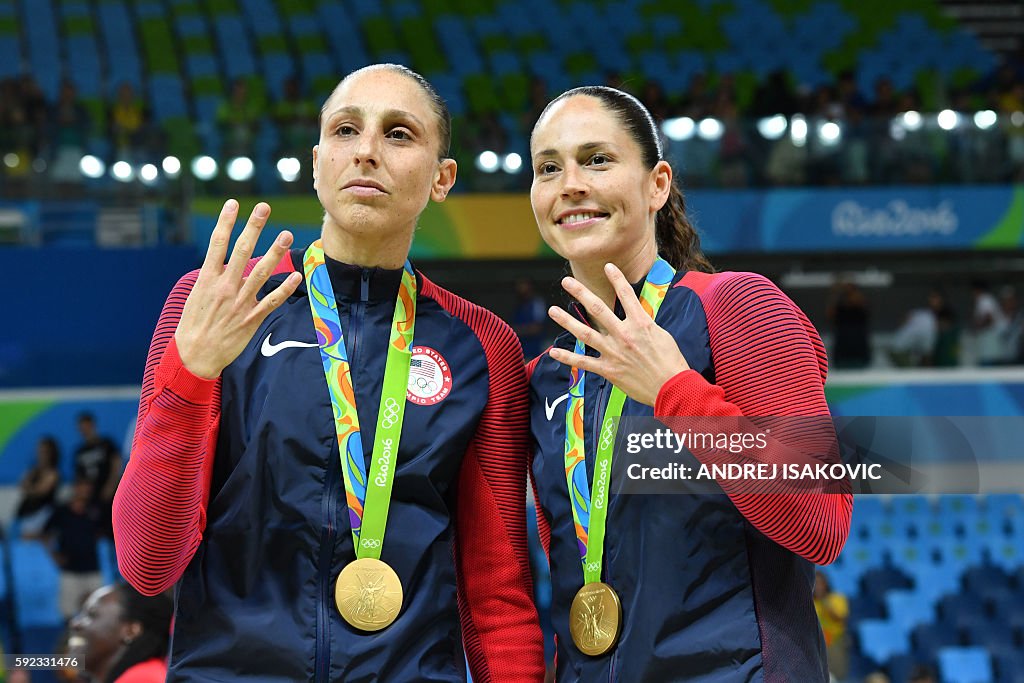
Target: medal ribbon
pixel 368 499
pixel 588 514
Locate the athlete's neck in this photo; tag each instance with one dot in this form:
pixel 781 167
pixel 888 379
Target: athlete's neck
pixel 634 265
pixel 389 250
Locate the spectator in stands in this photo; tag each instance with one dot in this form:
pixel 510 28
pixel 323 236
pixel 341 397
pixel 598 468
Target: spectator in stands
pixel 851 325
pixel 529 319
pixel 877 677
pixel 72 534
pixel 1013 333
pixel 913 344
pixel 238 118
pixel 39 489
pixel 98 460
pixel 947 343
pixel 127 118
pixel 122 636
pixel 988 324
pixel 69 125
pixel 833 611
pixel 775 96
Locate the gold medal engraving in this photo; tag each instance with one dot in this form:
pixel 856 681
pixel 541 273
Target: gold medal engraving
pixel 595 618
pixel 368 594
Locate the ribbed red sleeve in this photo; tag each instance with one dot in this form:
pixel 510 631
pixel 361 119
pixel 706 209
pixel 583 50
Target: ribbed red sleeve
pixel 500 627
pixel 160 503
pixel 769 361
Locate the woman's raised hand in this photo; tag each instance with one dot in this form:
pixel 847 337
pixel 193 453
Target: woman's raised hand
pixel 637 355
pixel 221 314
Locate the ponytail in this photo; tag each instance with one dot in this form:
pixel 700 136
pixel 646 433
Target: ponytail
pixel 678 241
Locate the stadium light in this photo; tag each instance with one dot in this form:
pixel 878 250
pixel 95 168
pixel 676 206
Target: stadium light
pixel 122 170
pixel 288 168
pixel 948 119
pixel 710 129
pixel 204 167
pixel 487 161
pixel 11 160
pixel 830 133
pixel 171 166
pixel 678 129
pixel 148 174
pixel 512 163
pixel 240 169
pixel 772 127
pixel 911 120
pixel 897 129
pixel 985 119
pixel 1017 118
pixel 798 130
pixel 90 166
pixel 39 165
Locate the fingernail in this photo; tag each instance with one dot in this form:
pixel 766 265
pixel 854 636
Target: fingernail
pixel 262 211
pixel 231 205
pixel 282 239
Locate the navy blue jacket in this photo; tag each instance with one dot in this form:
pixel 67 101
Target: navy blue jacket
pixel 257 596
pixel 704 594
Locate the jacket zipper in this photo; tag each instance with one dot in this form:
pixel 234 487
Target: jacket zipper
pixel 334 483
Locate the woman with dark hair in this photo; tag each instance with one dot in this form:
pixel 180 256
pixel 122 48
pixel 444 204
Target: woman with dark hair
pixel 295 407
pixel 704 586
pixel 39 488
pixel 122 636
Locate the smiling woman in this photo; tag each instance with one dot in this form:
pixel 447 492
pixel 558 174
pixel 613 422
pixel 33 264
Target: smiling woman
pixel 655 587
pixel 264 474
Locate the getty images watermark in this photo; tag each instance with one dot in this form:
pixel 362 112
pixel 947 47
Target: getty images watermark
pixel 814 454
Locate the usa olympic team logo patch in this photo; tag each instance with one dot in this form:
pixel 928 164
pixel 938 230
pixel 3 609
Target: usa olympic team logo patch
pixel 430 377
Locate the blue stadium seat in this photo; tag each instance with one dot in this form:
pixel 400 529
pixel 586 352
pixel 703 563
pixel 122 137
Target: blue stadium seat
pixel 199 65
pixel 235 47
pixel 965 665
pixel 928 639
pixel 191 25
pixel 37 582
pixel 961 609
pixel 908 609
pixel 262 16
pixel 1007 505
pixel 907 507
pixel 985 578
pixel 167 93
pixel 86 74
pixel 909 556
pixel 881 639
pixel 958 504
pixel 40 30
pixel 992 635
pixel 345 40
pixel 935 581
pixel 122 54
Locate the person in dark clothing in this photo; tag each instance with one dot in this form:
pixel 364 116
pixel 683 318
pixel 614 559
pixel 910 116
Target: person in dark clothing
pixel 72 532
pixel 851 322
pixel 39 488
pixel 98 460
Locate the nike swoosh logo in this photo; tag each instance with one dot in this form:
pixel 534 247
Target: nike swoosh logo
pixel 549 408
pixel 268 349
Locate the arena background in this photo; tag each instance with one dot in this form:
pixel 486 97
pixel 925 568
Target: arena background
pixel 861 153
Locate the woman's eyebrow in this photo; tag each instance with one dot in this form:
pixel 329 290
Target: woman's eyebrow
pixel 585 147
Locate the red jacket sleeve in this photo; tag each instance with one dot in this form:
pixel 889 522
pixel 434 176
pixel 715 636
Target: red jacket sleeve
pixel 500 626
pixel 543 528
pixel 160 504
pixel 769 361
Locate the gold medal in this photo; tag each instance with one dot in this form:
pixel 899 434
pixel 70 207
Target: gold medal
pixel 368 594
pixel 595 618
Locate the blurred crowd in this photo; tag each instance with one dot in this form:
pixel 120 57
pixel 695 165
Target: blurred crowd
pixel 864 146
pixel 934 334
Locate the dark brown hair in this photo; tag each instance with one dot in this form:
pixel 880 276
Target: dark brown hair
pixel 437 103
pixel 678 241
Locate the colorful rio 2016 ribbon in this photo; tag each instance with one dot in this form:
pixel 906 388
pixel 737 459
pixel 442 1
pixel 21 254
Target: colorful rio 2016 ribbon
pixel 368 498
pixel 588 514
